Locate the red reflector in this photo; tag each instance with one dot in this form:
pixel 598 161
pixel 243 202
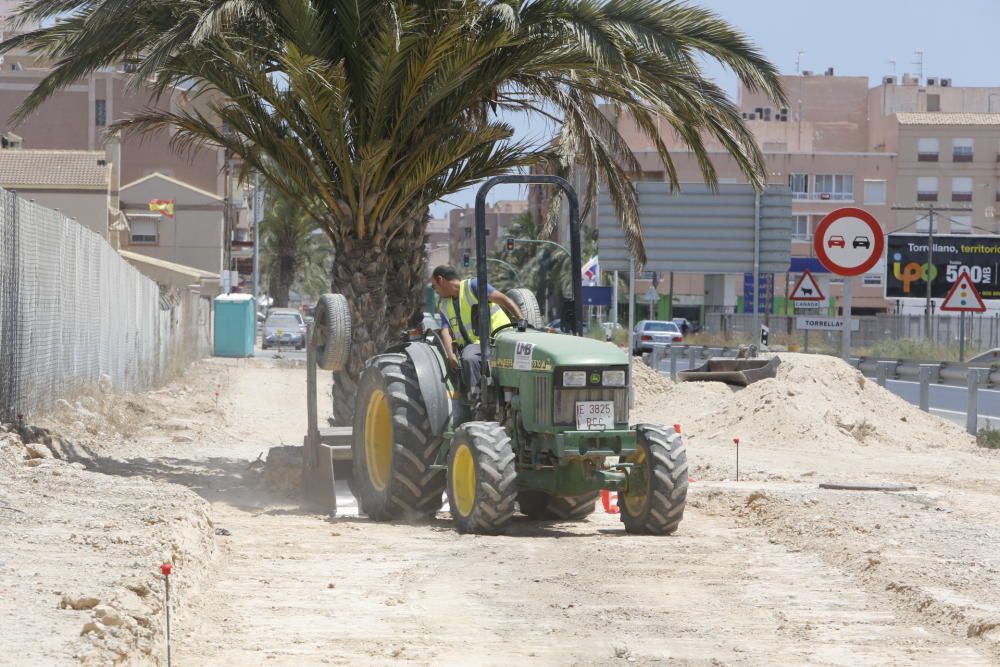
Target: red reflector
pixel 678 339
pixel 645 338
pixel 677 427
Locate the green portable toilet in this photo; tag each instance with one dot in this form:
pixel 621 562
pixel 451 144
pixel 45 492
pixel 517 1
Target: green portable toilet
pixel 235 325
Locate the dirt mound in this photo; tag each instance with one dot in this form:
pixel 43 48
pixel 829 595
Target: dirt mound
pixel 815 399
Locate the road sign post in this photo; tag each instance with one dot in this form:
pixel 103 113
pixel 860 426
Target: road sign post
pixel 849 242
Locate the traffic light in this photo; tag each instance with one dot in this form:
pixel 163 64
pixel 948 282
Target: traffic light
pixel 510 243
pixel 465 260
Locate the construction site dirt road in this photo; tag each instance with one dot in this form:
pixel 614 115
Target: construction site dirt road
pixel 770 569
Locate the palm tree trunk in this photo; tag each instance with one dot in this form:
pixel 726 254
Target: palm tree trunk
pixel 361 273
pixel 283 284
pixel 408 269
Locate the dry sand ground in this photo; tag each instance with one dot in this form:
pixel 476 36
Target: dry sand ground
pixel 767 570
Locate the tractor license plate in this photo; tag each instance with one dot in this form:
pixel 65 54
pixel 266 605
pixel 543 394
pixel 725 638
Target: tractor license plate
pixel 595 415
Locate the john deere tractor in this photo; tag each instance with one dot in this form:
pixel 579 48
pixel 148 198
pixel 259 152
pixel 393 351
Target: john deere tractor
pixel 551 431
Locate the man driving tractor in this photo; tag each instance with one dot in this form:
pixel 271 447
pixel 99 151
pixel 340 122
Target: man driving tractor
pixel 459 312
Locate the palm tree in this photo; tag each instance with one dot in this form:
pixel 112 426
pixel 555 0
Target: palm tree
pixel 366 111
pixel 291 252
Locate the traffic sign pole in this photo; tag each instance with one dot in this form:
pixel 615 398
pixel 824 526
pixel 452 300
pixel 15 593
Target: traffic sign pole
pixel 845 340
pixel 961 337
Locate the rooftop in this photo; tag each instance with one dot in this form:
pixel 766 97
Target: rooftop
pixel 53 169
pixel 940 118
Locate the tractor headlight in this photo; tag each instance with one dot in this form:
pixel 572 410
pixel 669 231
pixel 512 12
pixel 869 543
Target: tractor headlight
pixel 613 379
pixel 574 378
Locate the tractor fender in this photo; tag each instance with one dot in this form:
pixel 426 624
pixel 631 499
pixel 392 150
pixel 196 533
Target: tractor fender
pixel 433 384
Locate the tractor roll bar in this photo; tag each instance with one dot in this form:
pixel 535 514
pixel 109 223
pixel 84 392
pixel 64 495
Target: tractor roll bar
pixel 481 279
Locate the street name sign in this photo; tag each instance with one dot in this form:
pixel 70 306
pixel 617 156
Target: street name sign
pixel 824 324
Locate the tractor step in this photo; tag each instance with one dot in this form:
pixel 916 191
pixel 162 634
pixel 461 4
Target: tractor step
pixel 338 440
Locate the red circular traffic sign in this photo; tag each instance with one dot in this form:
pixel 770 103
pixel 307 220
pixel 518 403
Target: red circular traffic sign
pixel 849 241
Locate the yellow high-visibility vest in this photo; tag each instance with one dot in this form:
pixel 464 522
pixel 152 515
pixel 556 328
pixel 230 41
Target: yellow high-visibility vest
pixel 459 313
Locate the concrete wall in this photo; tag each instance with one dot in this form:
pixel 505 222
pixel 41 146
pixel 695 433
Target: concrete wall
pixel 87 207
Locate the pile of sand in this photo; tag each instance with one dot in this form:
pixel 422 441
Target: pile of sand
pixel 814 399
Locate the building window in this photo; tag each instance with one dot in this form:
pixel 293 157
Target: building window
pixel 838 187
pixel 143 228
pixel 467 233
pixel 800 228
pixel 961 150
pixel 933 103
pixel 961 224
pixel 923 219
pixel 100 113
pixel 875 192
pixel 927 188
pixel 961 189
pixel 799 184
pixel 927 150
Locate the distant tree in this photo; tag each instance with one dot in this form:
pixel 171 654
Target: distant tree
pixel 294 253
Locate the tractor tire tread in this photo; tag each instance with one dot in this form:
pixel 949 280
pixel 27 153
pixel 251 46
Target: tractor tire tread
pixel 414 490
pixel 496 478
pixel 332 332
pixel 669 483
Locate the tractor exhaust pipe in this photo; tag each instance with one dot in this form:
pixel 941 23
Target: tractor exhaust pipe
pixel 481 278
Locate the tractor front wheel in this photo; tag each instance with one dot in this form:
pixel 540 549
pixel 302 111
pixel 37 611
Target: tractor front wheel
pixel 541 506
pixel 655 506
pixel 482 481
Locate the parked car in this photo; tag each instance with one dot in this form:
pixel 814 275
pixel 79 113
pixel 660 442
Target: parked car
pixel 284 327
pixel 650 332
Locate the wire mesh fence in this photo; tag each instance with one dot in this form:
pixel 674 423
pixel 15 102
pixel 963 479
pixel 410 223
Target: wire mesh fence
pixel 72 311
pixel 981 331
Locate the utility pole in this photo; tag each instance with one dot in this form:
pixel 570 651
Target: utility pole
pixel 931 209
pixel 258 216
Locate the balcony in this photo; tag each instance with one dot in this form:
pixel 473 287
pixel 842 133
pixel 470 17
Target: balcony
pixel 961 156
pixel 830 196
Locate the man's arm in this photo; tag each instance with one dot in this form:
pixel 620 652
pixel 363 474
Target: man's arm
pixel 504 301
pixel 449 348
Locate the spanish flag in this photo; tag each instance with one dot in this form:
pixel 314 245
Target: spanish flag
pixel 164 206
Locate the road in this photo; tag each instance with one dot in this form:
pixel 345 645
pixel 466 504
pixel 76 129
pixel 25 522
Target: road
pixel 945 401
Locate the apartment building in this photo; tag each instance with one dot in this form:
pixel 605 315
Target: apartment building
pixel 842 142
pixel 462 227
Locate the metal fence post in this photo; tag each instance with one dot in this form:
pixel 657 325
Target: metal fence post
pixel 925 387
pixel 674 352
pixel 692 357
pixel 972 408
pixel 881 372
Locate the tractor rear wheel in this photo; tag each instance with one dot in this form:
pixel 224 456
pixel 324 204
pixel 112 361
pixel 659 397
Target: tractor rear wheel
pixel 657 507
pixel 394 446
pixel 542 506
pixel 482 481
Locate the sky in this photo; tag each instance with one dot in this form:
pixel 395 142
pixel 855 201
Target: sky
pixel 855 37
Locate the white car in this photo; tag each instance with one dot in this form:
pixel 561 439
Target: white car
pixel 650 332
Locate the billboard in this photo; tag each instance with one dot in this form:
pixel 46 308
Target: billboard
pixel 698 230
pixel 907 271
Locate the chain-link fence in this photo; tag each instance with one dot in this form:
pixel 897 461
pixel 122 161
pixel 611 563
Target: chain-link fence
pixel 981 331
pixel 72 310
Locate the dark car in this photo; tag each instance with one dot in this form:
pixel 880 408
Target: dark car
pixel 652 332
pixel 861 242
pixel 284 328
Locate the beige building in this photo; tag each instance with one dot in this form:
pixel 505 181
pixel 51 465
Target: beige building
pixel 841 142
pixel 75 183
pixel 462 224
pixel 192 238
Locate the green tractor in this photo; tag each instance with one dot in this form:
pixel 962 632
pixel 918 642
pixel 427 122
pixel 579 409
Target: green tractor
pixel 550 433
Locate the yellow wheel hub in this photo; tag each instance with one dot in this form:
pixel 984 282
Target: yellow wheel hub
pixel 463 480
pixel 378 440
pixel 635 499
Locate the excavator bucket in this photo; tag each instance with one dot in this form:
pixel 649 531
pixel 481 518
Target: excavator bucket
pixel 740 372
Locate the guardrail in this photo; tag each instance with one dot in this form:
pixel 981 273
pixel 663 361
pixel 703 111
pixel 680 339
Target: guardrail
pixel 970 375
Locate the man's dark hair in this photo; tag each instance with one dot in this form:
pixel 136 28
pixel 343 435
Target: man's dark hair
pixel 445 271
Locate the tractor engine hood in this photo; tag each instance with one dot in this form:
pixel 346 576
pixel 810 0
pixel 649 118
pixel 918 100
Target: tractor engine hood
pixel 537 351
